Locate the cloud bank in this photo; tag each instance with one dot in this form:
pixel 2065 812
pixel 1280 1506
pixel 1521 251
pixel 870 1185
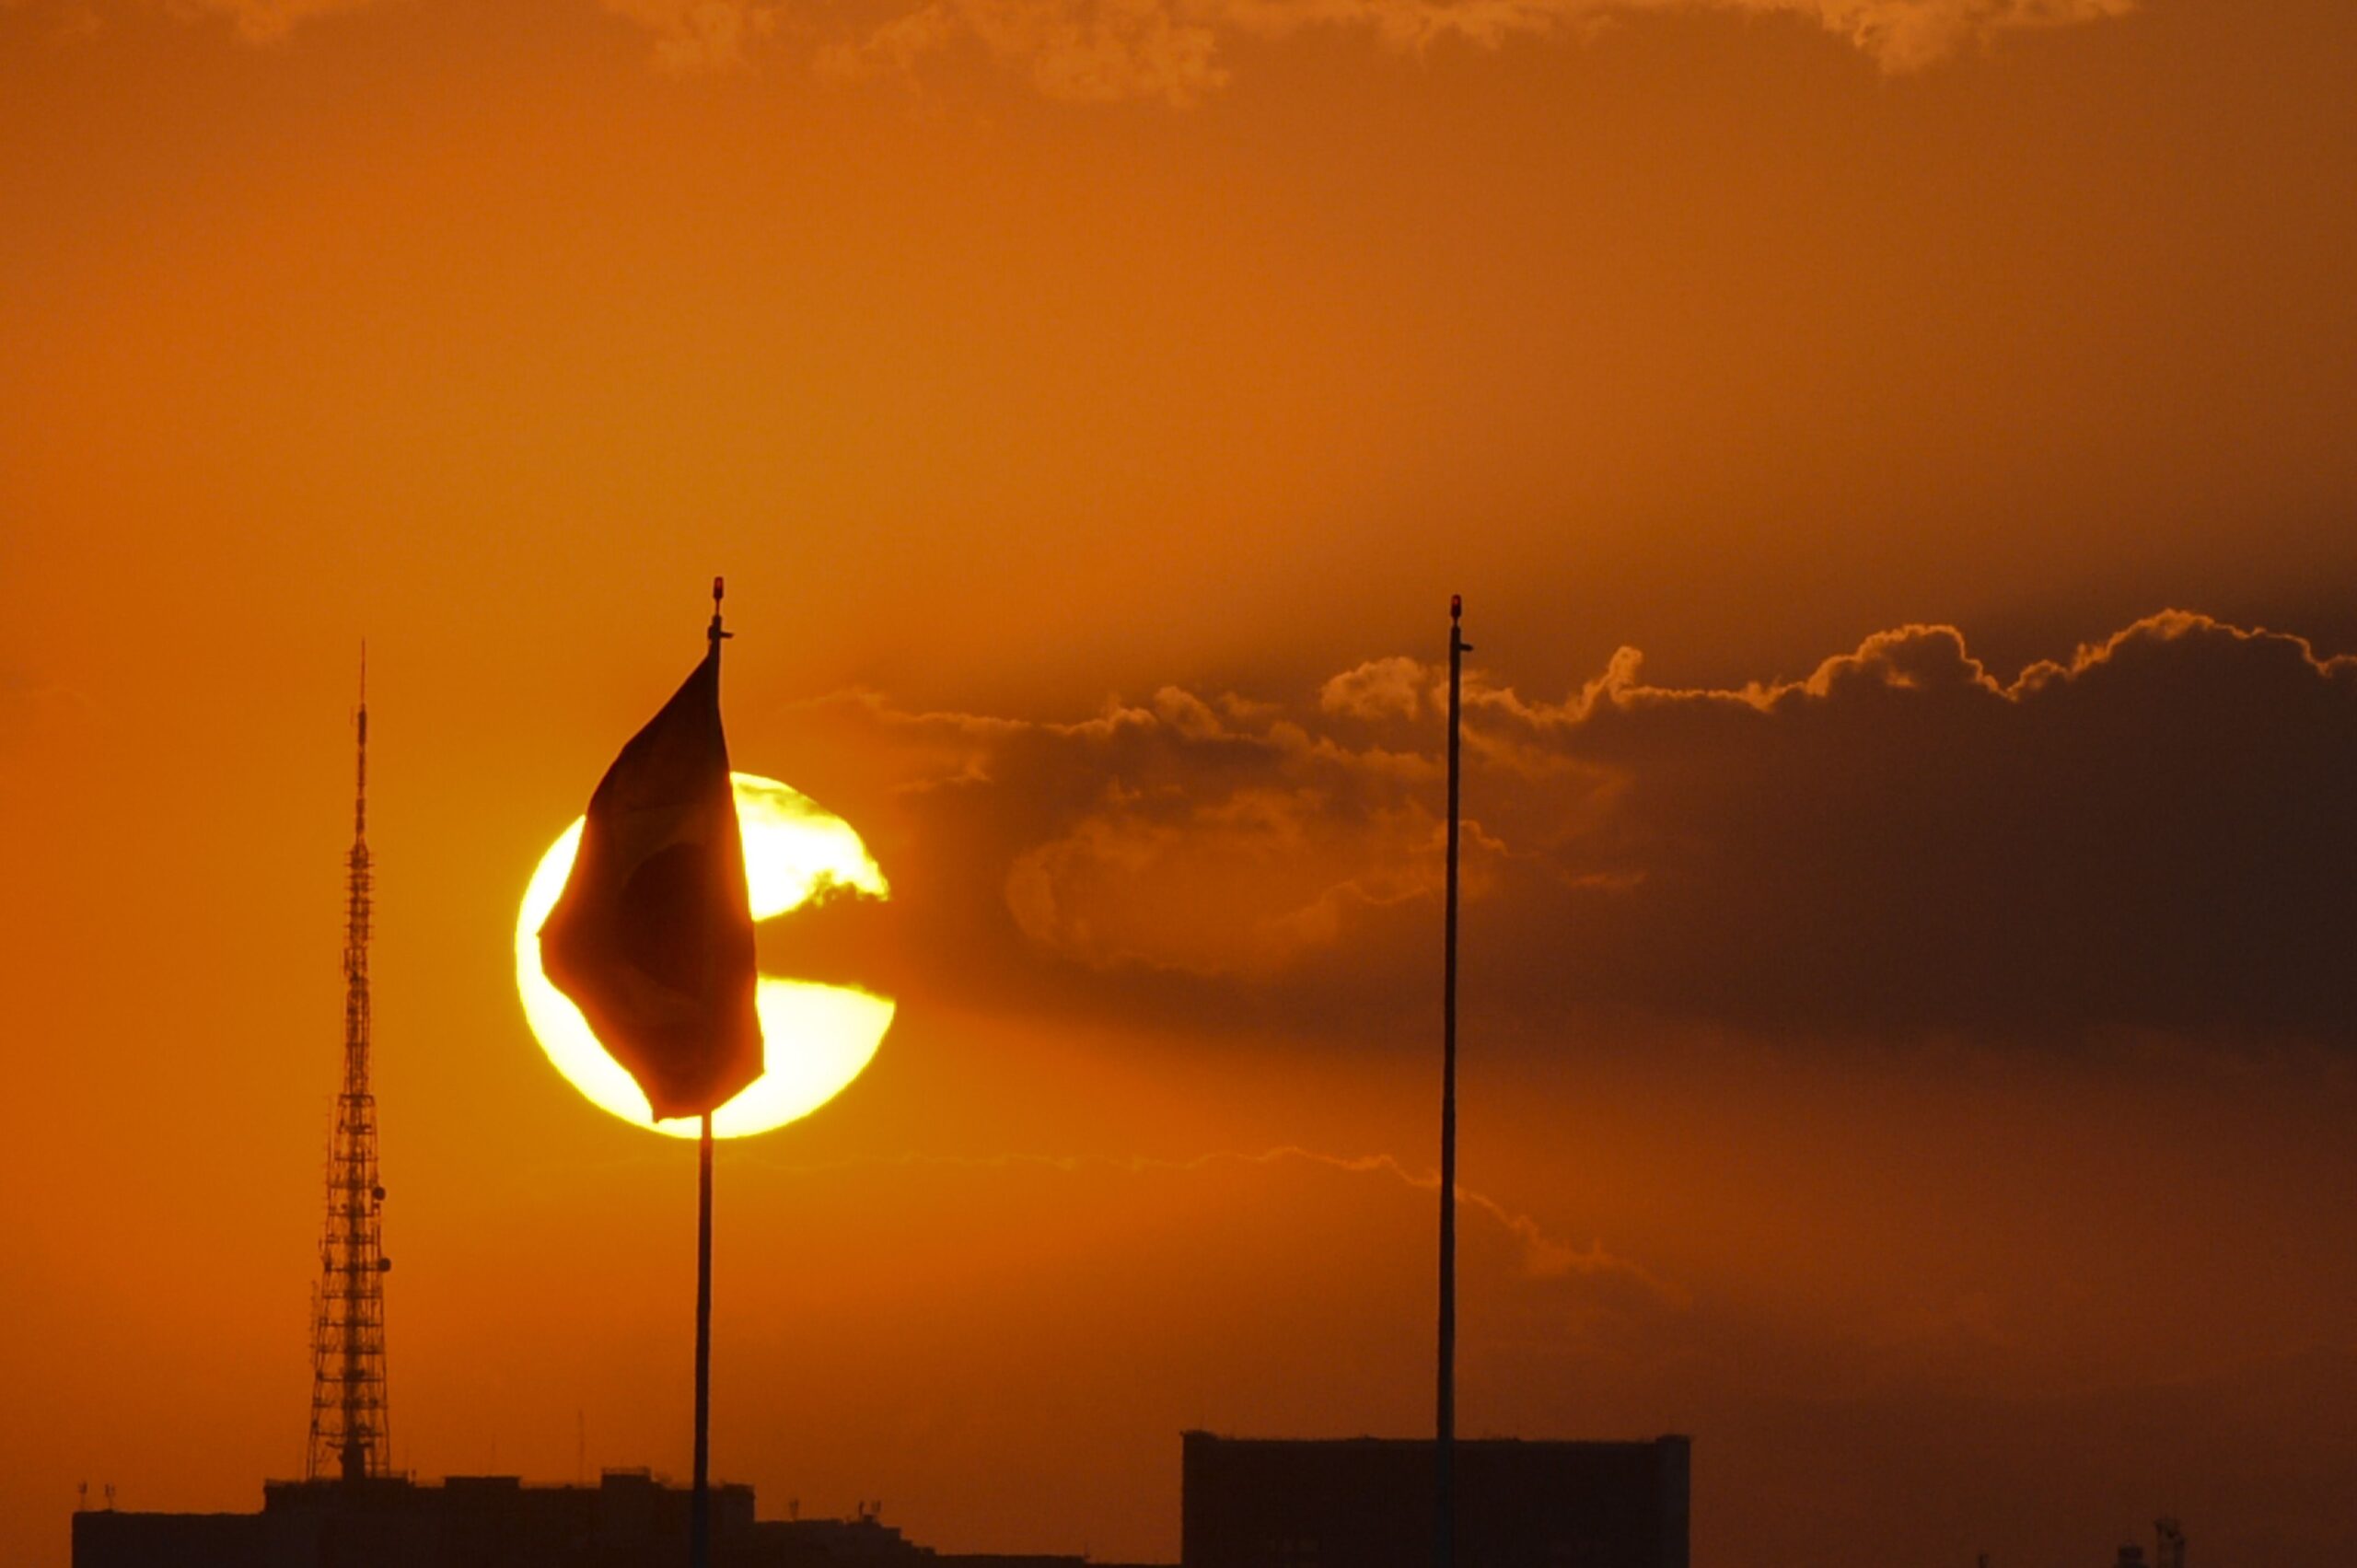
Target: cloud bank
pixel 1170 51
pixel 1173 52
pixel 2152 834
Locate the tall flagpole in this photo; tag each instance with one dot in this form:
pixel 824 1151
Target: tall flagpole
pixel 700 1502
pixel 1444 1443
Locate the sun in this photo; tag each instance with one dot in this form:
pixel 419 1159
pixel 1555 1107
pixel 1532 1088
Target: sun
pixel 817 1037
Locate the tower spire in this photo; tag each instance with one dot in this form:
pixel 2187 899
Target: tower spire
pixel 349 1437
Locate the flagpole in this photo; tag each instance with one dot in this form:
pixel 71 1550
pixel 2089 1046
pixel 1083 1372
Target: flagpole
pixel 700 1501
pixel 699 1518
pixel 1445 1437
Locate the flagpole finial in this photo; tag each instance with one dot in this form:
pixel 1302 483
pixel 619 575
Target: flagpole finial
pixel 719 586
pixel 1456 607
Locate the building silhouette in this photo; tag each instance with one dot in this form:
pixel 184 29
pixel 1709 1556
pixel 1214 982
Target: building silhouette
pixel 629 1519
pixel 1245 1502
pixel 1369 1502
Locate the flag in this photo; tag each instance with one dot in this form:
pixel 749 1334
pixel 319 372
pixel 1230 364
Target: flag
pixel 653 937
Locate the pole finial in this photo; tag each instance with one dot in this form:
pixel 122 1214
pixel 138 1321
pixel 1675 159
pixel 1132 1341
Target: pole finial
pixel 719 587
pixel 1456 607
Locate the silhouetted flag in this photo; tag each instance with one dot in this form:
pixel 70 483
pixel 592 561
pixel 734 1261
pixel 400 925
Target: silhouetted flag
pixel 652 936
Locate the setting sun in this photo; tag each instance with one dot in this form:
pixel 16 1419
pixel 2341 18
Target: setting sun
pixel 819 1038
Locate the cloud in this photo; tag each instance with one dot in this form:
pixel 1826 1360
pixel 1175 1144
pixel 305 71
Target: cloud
pixel 2147 835
pixel 695 36
pixel 1169 51
pixel 263 21
pixel 2152 834
pixel 1379 689
pixel 1539 1255
pixel 1094 52
pixel 1240 885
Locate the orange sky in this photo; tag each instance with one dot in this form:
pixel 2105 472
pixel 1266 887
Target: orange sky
pixel 1925 1083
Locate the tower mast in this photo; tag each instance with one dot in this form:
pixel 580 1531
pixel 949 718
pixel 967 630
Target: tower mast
pixel 349 1434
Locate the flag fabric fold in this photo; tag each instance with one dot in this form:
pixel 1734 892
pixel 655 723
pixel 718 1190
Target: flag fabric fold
pixel 653 937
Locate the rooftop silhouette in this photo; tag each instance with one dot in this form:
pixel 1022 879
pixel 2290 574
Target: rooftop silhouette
pixel 630 1518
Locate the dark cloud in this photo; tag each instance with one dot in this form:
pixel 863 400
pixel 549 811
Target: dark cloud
pixel 2155 834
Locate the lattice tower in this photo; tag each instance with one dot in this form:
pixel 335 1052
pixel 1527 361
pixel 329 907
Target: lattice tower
pixel 350 1437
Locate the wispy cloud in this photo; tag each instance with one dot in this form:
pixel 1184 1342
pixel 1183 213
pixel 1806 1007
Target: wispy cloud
pixel 694 36
pixel 1169 50
pixel 264 21
pixel 1173 52
pixel 1540 1256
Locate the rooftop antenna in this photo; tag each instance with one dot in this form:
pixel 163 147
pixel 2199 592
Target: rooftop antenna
pixel 350 1438
pixel 1444 1443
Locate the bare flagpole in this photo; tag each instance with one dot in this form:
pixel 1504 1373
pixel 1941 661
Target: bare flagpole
pixel 1444 1443
pixel 700 1502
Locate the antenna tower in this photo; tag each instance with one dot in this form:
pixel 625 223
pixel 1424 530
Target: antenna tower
pixel 350 1440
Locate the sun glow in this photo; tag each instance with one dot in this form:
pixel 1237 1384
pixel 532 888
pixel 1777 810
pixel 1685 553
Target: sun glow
pixel 817 1037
